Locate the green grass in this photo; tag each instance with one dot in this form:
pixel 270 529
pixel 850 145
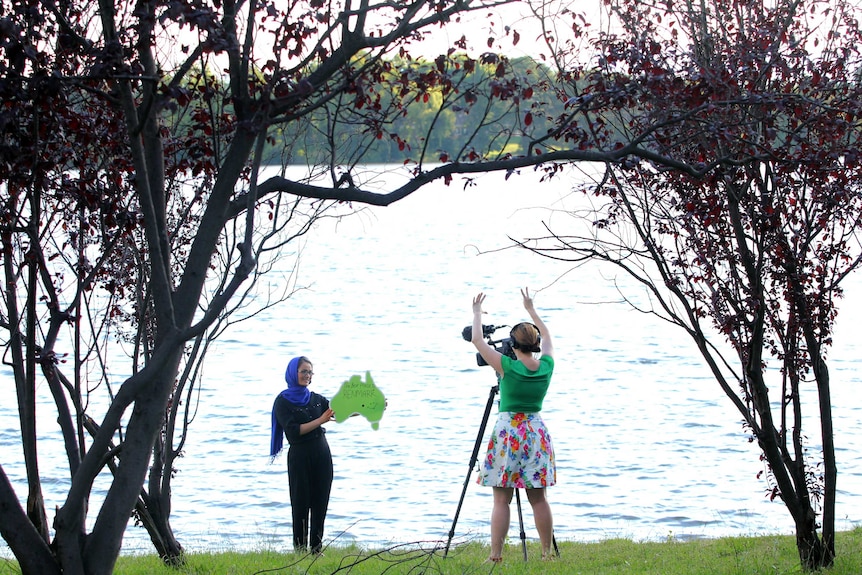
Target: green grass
pixel 765 555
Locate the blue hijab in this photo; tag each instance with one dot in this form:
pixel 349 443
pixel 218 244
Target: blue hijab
pixel 295 394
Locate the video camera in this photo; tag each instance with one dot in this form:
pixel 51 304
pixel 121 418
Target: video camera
pixel 503 346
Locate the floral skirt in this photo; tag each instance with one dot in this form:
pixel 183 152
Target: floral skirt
pixel 520 453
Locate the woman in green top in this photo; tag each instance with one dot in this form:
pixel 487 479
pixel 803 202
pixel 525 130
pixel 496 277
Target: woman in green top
pixel 520 452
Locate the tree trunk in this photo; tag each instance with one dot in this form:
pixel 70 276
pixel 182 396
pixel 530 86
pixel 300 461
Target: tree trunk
pixel 150 515
pixel 158 526
pixel 814 554
pixel 22 536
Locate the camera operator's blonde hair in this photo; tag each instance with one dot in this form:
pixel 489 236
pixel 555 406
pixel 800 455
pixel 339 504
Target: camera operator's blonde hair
pixel 525 336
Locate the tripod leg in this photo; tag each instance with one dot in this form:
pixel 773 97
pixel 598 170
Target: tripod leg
pixel 523 534
pixel 473 459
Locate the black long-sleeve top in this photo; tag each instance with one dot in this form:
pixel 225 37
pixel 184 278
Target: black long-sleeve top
pixel 291 416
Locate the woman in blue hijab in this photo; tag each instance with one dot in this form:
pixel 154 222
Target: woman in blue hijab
pixel 299 414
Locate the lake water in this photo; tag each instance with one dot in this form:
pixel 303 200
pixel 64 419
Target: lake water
pixel 647 444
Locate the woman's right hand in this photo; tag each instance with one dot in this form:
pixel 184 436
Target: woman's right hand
pixel 528 300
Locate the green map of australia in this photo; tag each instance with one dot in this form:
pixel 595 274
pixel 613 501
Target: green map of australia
pixel 357 397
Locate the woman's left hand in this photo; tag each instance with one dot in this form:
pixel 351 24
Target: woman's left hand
pixel 327 416
pixel 477 302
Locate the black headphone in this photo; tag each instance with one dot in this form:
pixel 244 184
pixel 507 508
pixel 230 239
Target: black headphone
pixel 516 345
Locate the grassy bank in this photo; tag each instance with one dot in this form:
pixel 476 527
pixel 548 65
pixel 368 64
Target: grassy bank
pixel 767 555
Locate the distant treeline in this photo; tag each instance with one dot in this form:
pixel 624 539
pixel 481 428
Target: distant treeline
pixel 467 122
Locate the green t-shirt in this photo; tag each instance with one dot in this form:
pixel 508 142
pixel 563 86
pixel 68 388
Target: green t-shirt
pixel 522 390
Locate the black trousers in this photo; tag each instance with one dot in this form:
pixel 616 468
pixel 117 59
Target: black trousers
pixel 309 472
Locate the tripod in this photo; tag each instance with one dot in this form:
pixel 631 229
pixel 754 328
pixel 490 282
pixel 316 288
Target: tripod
pixel 473 459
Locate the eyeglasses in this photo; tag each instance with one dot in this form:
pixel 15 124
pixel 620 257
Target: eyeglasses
pixel 306 372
